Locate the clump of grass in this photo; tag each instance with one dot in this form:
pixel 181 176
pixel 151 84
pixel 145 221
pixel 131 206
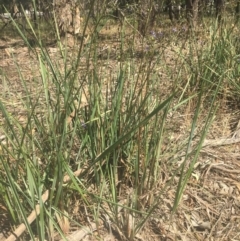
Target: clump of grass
pixel 100 139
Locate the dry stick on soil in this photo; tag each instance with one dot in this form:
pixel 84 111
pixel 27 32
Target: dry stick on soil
pixel 80 234
pixel 221 142
pixel 18 232
pixel 217 166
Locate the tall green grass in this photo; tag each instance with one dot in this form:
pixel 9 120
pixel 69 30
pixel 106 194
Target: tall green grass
pixel 115 123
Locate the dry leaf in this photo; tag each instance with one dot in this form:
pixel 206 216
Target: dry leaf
pixel 203 226
pixel 63 222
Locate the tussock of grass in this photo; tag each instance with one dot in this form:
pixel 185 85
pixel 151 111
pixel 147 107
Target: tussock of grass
pixel 112 127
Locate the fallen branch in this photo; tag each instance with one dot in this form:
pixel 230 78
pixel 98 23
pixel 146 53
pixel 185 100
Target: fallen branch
pixel 218 167
pixel 80 234
pixel 18 232
pixel 221 142
pixel 20 229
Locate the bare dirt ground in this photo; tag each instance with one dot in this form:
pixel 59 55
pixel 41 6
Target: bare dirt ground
pixel 210 206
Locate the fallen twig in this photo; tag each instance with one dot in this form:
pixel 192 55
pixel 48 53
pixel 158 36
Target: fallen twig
pixel 18 232
pixel 221 142
pixel 80 234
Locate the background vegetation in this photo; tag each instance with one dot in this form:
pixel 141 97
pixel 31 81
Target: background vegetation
pixel 102 131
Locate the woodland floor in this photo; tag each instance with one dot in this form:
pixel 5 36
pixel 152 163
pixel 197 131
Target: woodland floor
pixel 210 207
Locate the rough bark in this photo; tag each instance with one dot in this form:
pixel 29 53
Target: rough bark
pixel 169 9
pixel 238 10
pixel 146 16
pixel 14 9
pixel 192 11
pixel 219 4
pixel 202 8
pixel 67 15
pixel 174 9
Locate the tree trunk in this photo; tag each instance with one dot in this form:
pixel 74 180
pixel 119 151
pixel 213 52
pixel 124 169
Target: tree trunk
pixel 174 9
pixel 67 16
pixel 238 10
pixel 219 4
pixel 202 8
pixel 146 16
pixel 14 9
pixel 169 8
pixel 192 12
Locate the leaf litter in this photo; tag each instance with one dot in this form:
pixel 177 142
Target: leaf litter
pixel 210 206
